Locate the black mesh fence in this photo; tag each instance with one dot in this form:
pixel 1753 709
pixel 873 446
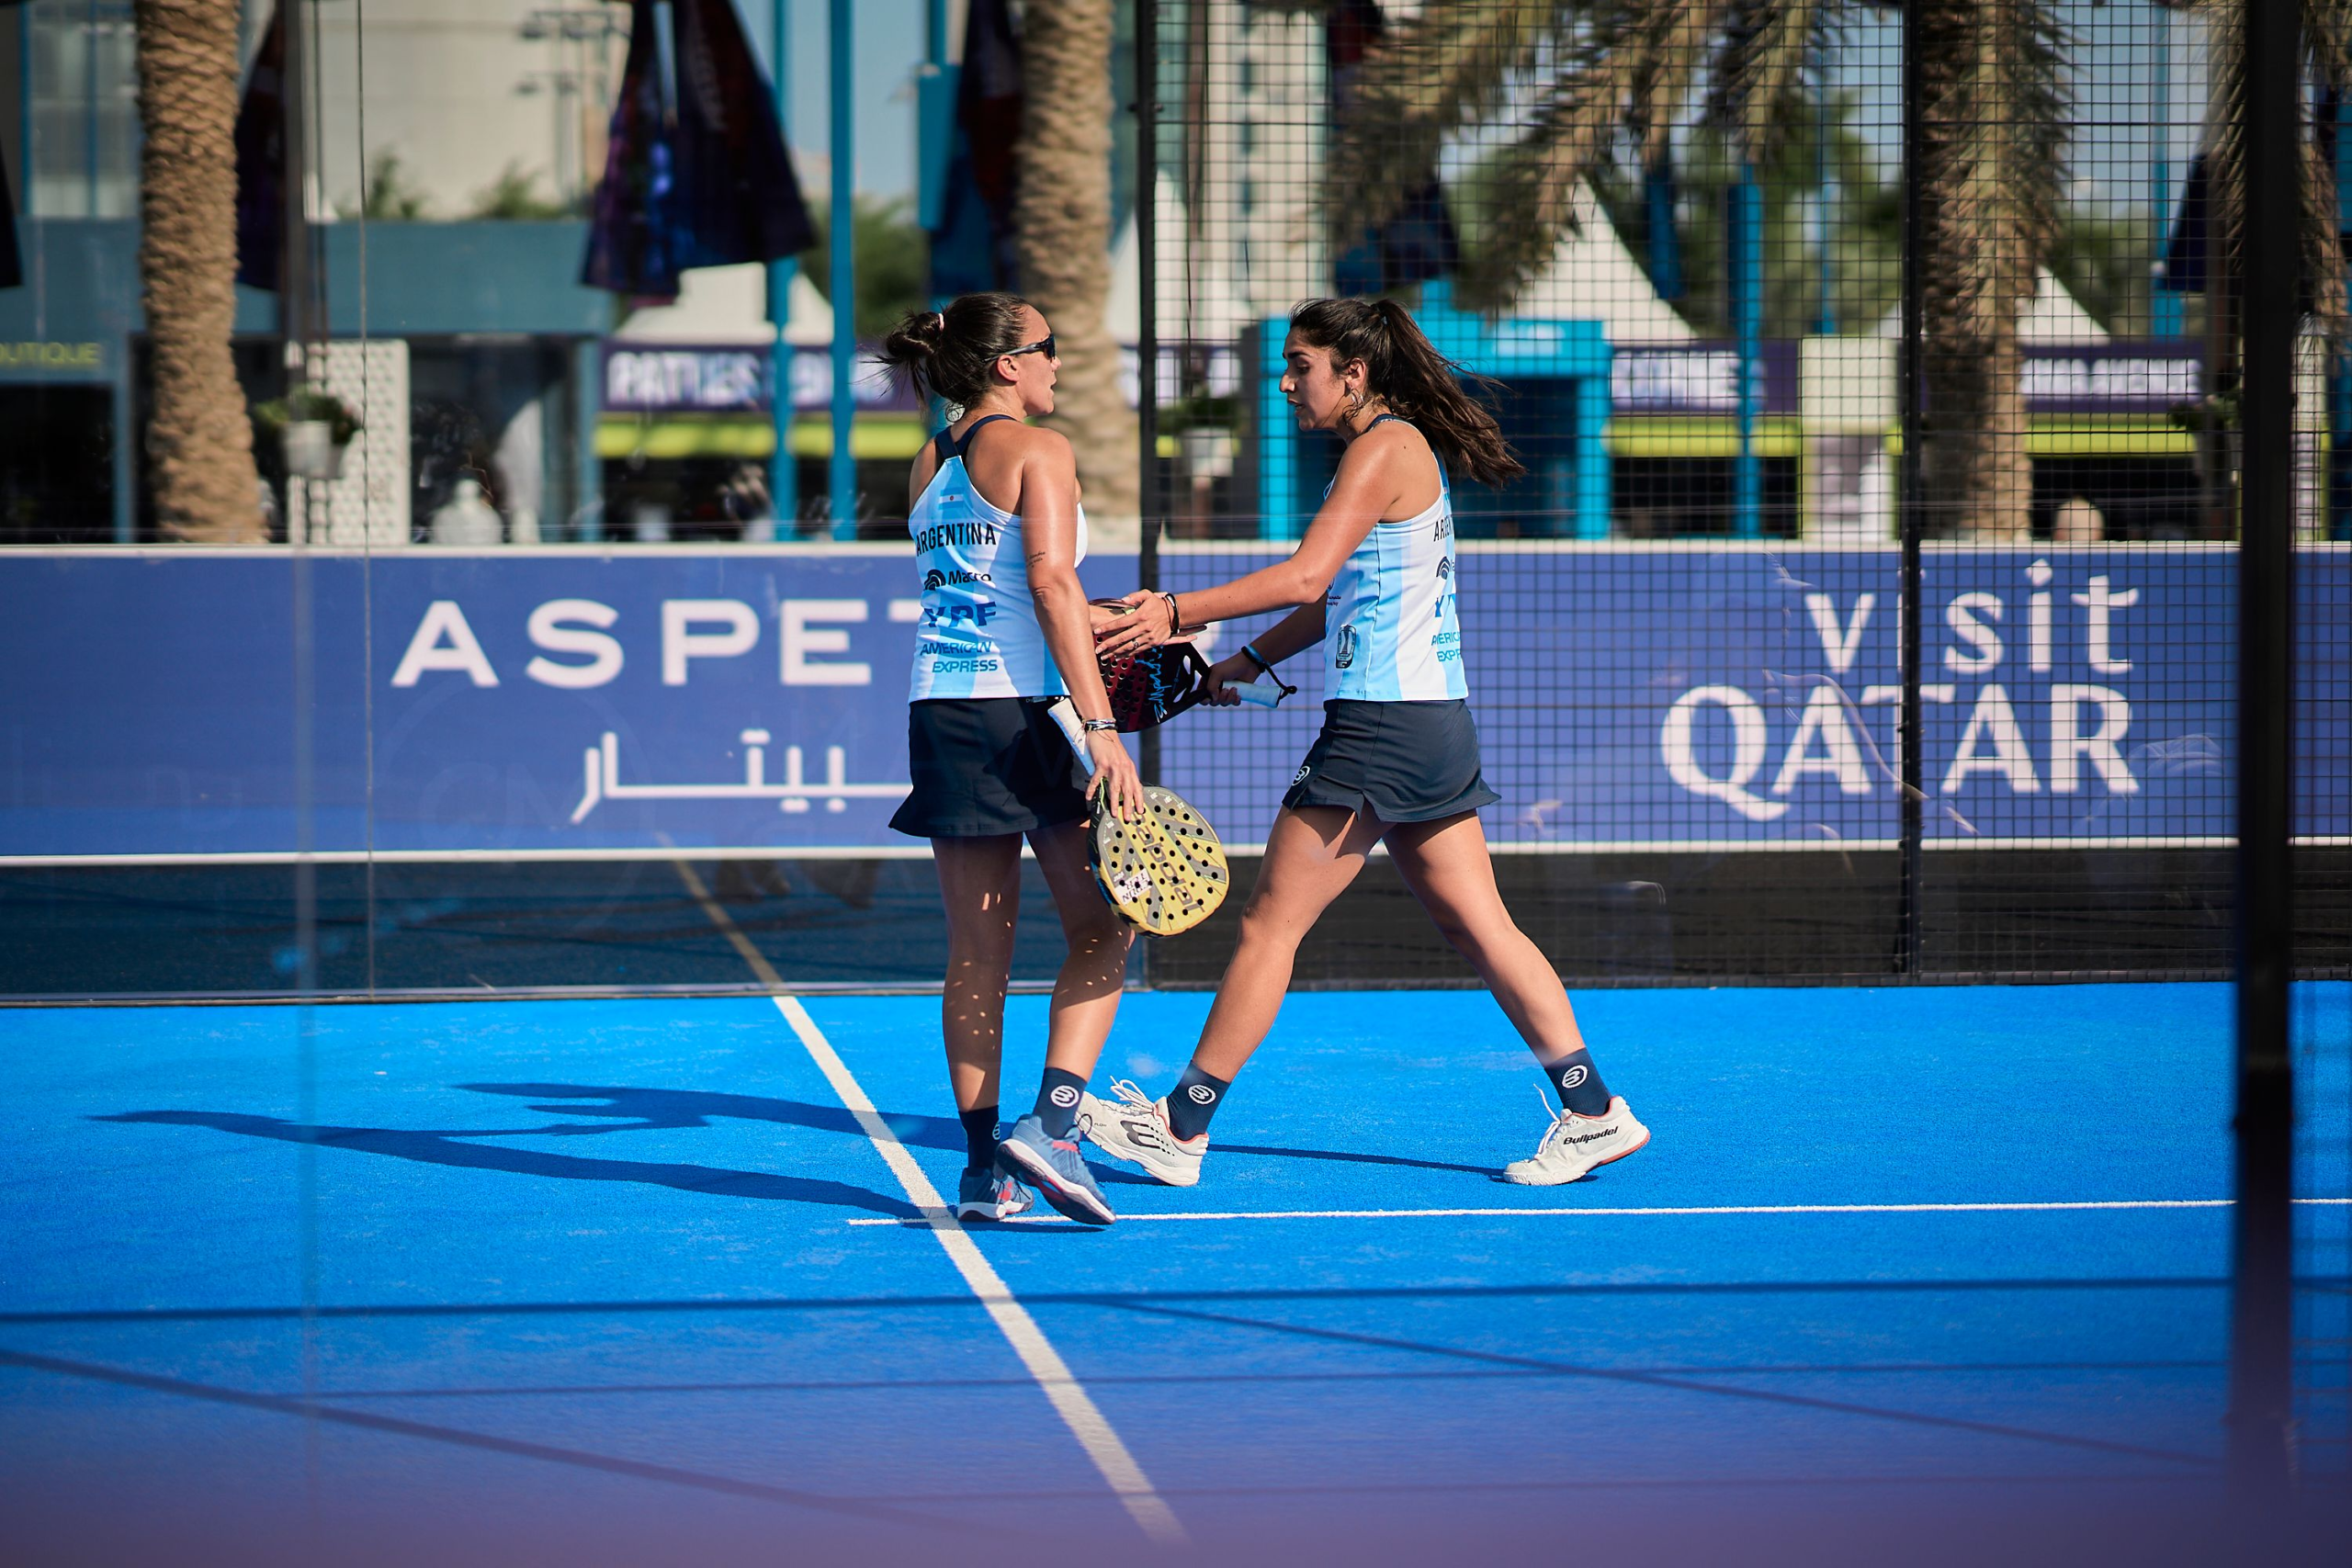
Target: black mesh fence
pixel 1676 243
pixel 1870 608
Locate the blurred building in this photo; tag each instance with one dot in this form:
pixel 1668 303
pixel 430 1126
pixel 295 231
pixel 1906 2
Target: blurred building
pixel 483 131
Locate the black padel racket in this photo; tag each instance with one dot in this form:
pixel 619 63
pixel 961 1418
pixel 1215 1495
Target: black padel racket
pixel 1155 685
pixel 1164 873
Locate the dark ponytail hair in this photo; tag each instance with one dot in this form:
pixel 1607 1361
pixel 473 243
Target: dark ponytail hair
pixel 948 353
pixel 1405 371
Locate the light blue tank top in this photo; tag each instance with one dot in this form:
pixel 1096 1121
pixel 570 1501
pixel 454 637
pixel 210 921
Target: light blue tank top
pixel 978 636
pixel 1390 632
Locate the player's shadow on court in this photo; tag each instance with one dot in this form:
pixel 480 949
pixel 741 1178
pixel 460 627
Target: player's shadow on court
pixel 453 1149
pixel 644 1110
pixel 633 1110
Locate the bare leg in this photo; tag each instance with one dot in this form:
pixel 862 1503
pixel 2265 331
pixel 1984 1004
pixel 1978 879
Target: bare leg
pixel 1311 856
pixel 1086 992
pixel 1446 865
pixel 979 881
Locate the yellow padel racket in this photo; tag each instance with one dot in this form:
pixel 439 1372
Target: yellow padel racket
pixel 1165 871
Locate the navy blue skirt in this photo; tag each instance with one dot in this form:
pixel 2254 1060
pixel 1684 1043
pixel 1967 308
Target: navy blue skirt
pixel 1402 761
pixel 982 766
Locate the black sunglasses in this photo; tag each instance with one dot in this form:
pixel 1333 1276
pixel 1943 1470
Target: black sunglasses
pixel 1044 345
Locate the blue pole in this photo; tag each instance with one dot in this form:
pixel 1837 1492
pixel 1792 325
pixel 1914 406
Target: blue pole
pixel 1748 327
pixel 1664 247
pixel 784 473
pixel 2163 305
pixel 840 472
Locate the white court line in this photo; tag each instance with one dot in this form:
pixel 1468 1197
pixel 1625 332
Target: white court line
pixel 1068 1397
pixel 1077 1408
pixel 1711 1209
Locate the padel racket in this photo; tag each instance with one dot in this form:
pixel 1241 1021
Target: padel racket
pixel 1155 685
pixel 1165 871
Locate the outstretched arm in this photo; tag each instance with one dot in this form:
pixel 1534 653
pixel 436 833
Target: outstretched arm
pixel 1372 476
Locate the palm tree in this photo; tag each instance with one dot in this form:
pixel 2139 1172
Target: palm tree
pixel 1995 107
pixel 2327 57
pixel 1063 211
pixel 199 443
pixel 2326 43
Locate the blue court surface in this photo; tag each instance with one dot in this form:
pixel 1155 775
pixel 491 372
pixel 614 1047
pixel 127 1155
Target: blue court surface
pixel 1912 1275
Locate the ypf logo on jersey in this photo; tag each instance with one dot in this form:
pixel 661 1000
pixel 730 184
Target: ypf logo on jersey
pixel 1064 1096
pixel 1574 1077
pixel 1200 1094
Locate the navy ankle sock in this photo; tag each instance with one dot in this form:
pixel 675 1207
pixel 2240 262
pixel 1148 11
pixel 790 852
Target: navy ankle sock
pixel 979 1135
pixel 1577 1083
pixel 1058 1094
pixel 1193 1100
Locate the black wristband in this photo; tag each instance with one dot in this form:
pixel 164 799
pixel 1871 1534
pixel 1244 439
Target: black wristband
pixel 1249 652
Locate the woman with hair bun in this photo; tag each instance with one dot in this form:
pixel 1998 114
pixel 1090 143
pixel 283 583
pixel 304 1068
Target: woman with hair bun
pixel 1006 630
pixel 1397 762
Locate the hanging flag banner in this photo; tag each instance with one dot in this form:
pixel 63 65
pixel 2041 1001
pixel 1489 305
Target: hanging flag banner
pixel 695 170
pixel 737 198
pixel 260 141
pixel 632 239
pixel 973 246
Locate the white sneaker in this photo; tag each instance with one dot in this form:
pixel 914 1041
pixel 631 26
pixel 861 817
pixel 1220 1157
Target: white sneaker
pixel 1136 1130
pixel 1576 1146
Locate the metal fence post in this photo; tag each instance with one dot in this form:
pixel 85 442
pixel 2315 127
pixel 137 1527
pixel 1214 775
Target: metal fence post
pixel 2262 1299
pixel 1913 499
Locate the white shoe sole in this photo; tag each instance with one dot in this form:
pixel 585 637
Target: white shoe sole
pixel 1547 1178
pixel 1049 1183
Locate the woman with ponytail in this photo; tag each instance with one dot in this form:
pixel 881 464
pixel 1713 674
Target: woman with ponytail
pixel 1397 762
pixel 1005 631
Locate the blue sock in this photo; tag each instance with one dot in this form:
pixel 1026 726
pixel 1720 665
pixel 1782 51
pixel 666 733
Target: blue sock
pixel 1577 1083
pixel 979 1135
pixel 1057 1095
pixel 1193 1100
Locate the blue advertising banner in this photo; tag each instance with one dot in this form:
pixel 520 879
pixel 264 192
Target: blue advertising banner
pixel 564 703
pixel 1713 696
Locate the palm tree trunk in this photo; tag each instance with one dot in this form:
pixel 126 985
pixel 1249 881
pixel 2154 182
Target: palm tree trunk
pixel 1063 212
pixel 1987 172
pixel 200 445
